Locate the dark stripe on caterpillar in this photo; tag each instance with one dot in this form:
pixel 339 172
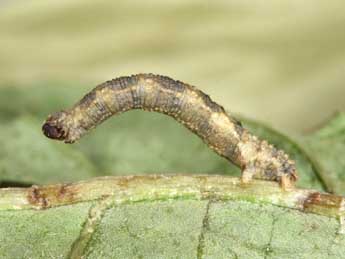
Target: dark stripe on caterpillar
pixel 189 106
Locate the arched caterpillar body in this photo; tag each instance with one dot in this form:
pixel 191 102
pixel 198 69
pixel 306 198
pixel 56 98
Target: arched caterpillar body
pixel 188 105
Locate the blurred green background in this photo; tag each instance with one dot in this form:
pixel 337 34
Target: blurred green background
pixel 281 62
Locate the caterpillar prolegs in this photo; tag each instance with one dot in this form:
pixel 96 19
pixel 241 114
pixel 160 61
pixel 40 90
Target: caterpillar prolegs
pixel 189 106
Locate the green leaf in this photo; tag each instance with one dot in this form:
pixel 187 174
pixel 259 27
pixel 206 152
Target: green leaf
pixel 169 217
pixel 327 146
pixel 26 157
pixel 40 234
pixel 144 142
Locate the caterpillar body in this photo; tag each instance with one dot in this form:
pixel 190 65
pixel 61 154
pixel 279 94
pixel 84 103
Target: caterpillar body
pixel 189 106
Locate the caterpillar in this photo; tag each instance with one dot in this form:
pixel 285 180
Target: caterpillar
pixel 189 106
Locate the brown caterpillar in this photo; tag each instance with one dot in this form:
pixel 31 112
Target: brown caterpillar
pixel 188 105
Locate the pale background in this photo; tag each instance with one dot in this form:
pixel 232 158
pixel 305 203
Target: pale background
pixel 281 62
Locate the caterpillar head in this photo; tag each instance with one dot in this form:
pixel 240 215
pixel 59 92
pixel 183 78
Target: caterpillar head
pixel 60 126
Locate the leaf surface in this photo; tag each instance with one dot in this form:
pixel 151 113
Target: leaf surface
pixel 169 217
pixel 26 157
pixel 327 146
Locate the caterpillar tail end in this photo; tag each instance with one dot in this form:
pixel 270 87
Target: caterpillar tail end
pixel 287 183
